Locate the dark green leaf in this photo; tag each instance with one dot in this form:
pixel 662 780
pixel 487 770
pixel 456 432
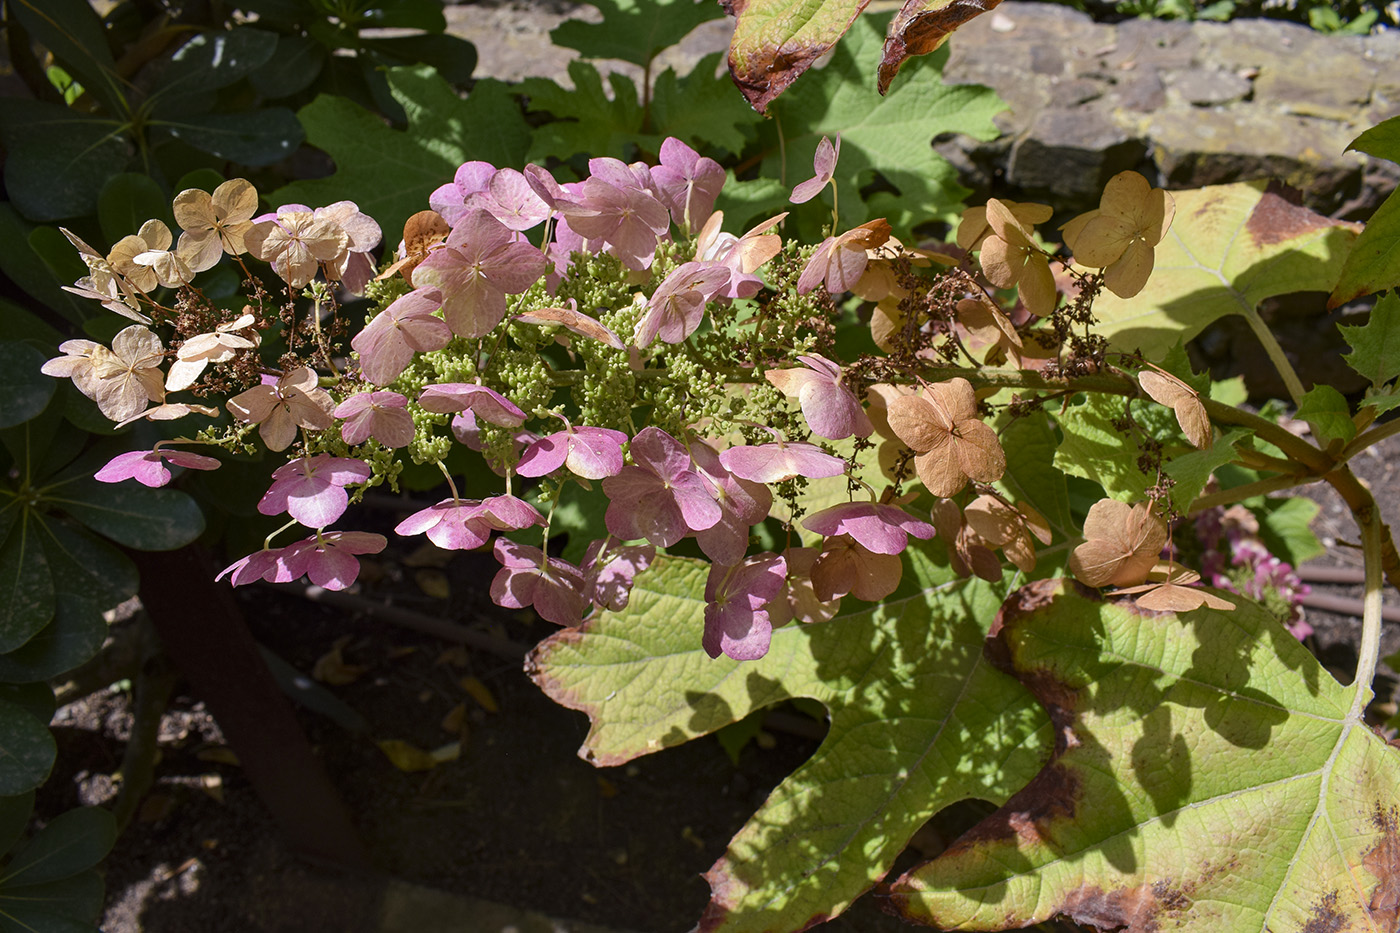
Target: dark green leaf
pixel 26 589
pixel 205 179
pixel 209 61
pixel 390 173
pixel 73 638
pixel 1374 261
pixel 131 514
pixel 1192 470
pixel 74 33
pixel 58 159
pixel 27 750
pixel 35 699
pixel 587 119
pixel 1030 475
pixel 26 391
pixel 634 30
pixel 1375 345
pixel 1381 140
pixel 72 903
pixel 1327 411
pixel 407 14
pixel 260 137
pixel 702 108
pixel 19 323
pixel 14 819
pixel 127 201
pixel 85 567
pixel 453 57
pixel 296 63
pixel 74 842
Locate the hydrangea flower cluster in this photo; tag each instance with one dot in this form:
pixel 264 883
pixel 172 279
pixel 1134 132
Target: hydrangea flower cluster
pixel 700 406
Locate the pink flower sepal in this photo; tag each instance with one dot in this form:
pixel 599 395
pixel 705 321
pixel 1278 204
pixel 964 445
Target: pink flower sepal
pixel 830 407
pixel 267 564
pixel 312 491
pixel 487 404
pixel 553 587
pixel 466 524
pixel 380 415
pixel 736 615
pixel 592 453
pixel 609 571
pixel 883 529
pixel 147 466
pixel 328 558
pixel 660 498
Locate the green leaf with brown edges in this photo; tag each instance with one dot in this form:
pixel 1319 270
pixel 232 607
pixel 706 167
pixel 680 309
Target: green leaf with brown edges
pixel 1229 248
pixel 919 720
pixel 1209 776
pixel 775 41
pixel 921 27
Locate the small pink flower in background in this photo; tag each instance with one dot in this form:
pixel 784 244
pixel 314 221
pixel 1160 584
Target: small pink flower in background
pixel 328 558
pixel 824 165
pixel 296 400
pixel 408 326
pixel 312 491
pixel 592 453
pixel 553 587
pixel 609 570
pixel 480 263
pixel 267 565
pixel 883 529
pixel 737 622
pixel 830 407
pixel 380 415
pixel 660 498
pixel 677 307
pixel 779 461
pixel 688 182
pixel 487 404
pixel 147 467
pixel 450 199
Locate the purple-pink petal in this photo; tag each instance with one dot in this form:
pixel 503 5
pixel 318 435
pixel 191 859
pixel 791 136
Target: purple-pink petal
pixel 487 404
pixel 778 461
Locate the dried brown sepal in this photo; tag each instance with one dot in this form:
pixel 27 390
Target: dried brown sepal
pixel 421 233
pixel 1183 400
pixel 1174 591
pixel 1124 542
pixel 951 442
pixel 988 328
pixel 968 553
pixel 1014 529
pixel 1010 257
pixel 576 321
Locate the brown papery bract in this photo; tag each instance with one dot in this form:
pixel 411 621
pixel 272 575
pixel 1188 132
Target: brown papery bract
pixel 1183 400
pixel 951 442
pixel 1124 543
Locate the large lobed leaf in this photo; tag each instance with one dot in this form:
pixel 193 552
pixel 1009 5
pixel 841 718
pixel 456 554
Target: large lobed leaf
pixel 1208 775
pixel 389 173
pixel 1229 248
pixel 919 720
pixel 634 31
pixel 891 136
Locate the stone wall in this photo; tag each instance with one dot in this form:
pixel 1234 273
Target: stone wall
pixel 1188 104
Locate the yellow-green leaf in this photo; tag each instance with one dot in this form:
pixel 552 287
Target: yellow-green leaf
pixel 1229 248
pixel 1209 777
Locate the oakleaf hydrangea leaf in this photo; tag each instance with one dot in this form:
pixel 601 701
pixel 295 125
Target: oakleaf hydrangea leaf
pixel 1208 775
pixel 1229 248
pixel 389 173
pixel 1375 345
pixel 634 31
pixel 942 726
pixel 890 135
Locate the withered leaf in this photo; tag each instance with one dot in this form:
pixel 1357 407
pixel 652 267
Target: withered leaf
pixel 775 41
pixel 921 26
pixel 576 321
